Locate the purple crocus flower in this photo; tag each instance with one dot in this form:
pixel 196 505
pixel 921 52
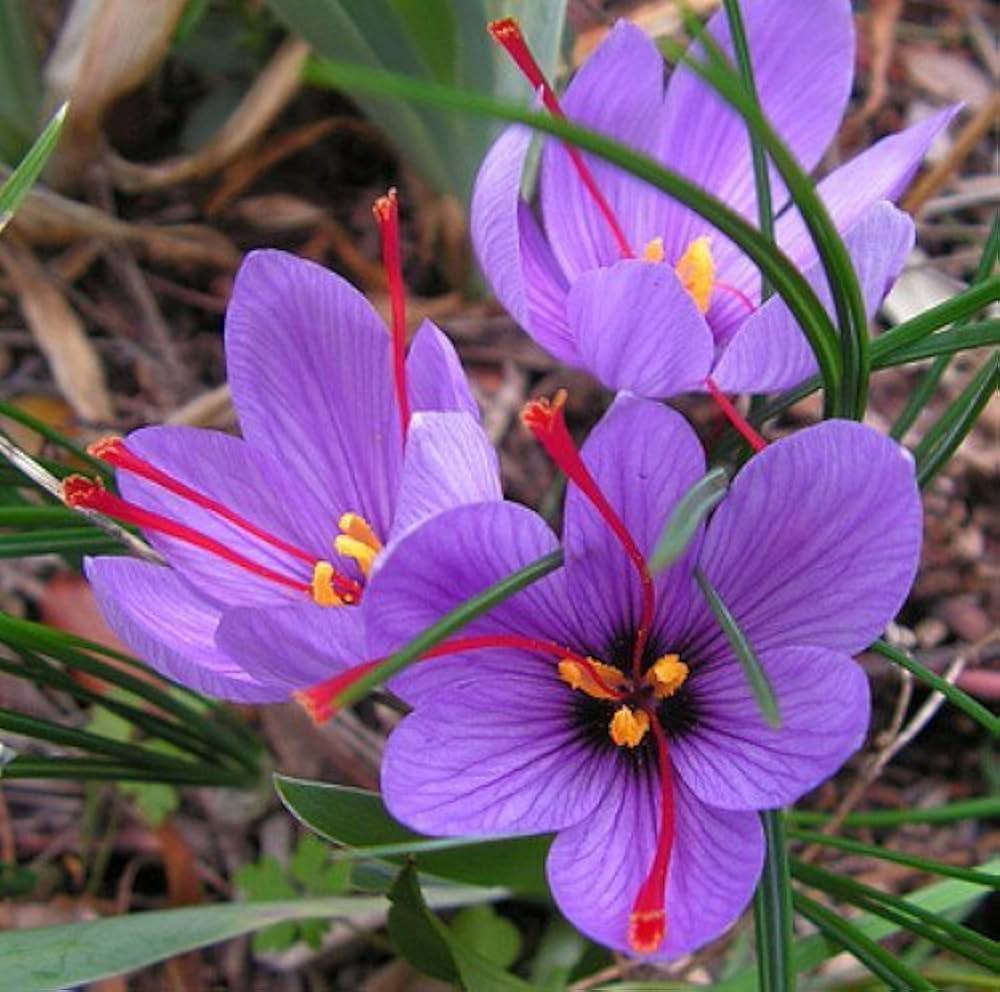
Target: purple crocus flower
pixel 622 280
pixel 268 538
pixel 606 705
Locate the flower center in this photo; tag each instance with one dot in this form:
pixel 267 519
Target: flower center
pixel 325 586
pixel 631 721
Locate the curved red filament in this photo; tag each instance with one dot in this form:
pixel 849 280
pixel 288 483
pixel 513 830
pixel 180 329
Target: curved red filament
pixel 739 295
pixel 739 422
pixel 506 32
pixel 321 700
pixel 546 422
pixel 648 918
pixel 114 451
pixel 80 492
pixel 386 211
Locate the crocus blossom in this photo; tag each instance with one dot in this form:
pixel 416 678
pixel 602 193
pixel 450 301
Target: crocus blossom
pixel 618 278
pixel 268 538
pixel 606 704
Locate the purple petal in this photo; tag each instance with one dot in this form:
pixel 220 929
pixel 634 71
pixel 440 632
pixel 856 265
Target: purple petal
pixel 803 64
pixel 247 481
pixel 881 173
pixel 434 374
pixel 450 558
pixel 309 367
pixel 816 543
pixel 644 457
pixel 497 756
pixel 637 328
pixel 512 252
pixel 618 91
pixel 297 645
pixel 734 760
pixel 171 627
pixel 770 352
pixel 449 461
pixel 595 869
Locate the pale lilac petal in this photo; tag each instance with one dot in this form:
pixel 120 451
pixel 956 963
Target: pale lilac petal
pixel 496 756
pixel 637 328
pixel 770 352
pixel 450 558
pixel 816 543
pixel 512 251
pixel 434 374
pixel 734 760
pixel 297 645
pixel 882 172
pixel 803 64
pixel 449 461
pixel 644 457
pixel 595 869
pixel 309 366
pixel 171 627
pixel 619 92
pixel 546 288
pixel 247 481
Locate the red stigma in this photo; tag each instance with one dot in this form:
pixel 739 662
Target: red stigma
pixel 739 422
pixel 81 493
pixel 115 452
pixel 321 701
pixel 648 918
pixel 546 422
pixel 507 33
pixel 386 211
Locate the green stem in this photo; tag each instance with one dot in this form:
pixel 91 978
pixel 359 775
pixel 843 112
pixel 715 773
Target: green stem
pixel 772 910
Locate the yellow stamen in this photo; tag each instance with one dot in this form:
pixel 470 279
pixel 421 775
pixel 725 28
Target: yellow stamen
pixel 357 541
pixel 696 270
pixel 322 585
pixel 357 527
pixel 581 677
pixel 628 726
pixel 653 252
pixel 666 675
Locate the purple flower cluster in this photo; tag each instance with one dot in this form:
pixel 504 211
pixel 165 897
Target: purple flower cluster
pixel 603 703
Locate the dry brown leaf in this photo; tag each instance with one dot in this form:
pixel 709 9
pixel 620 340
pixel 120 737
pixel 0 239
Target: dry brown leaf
pixel 271 91
pixel 947 76
pixel 49 218
pixel 59 332
pixel 658 18
pixel 105 49
pixel 53 411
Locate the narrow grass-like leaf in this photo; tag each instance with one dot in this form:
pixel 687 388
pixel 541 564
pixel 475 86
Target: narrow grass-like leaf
pixel 690 511
pixel 452 621
pixel 947 343
pixel 969 809
pixel 761 175
pixel 42 429
pixel 969 706
pixel 358 819
pixel 772 910
pixel 851 393
pixel 779 270
pixel 935 927
pixel 17 184
pixel 876 959
pixel 37 516
pixel 45 958
pixel 100 770
pixel 973 875
pixel 943 439
pixel 763 694
pixel 62 540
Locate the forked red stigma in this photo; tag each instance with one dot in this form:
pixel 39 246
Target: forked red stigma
pixel 386 212
pixel 320 701
pixel 647 922
pixel 547 423
pixel 507 33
